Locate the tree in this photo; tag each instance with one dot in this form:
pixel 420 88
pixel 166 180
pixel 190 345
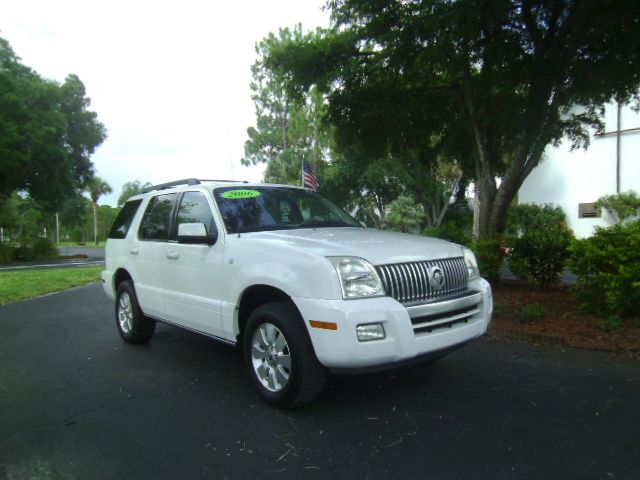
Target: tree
pixel 47 133
pixel 405 214
pixel 287 126
pixel 129 189
pixel 96 188
pixel 507 77
pixel 621 206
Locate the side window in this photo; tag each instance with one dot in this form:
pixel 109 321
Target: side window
pixel 157 218
pixel 194 208
pixel 123 220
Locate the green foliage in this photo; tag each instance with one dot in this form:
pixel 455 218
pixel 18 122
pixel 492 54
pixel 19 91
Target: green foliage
pixel 366 189
pixel 129 189
pixel 529 217
pixel 47 133
pixel 534 312
pixel 620 206
pixel 450 231
pixel 539 256
pixel 42 249
pixel 486 84
pixel 490 258
pixel 501 307
pixel 405 215
pixel 608 269
pixel 288 128
pixel 39 249
pixel 96 188
pixel 458 227
pixel 7 253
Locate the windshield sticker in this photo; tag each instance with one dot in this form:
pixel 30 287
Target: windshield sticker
pixel 236 194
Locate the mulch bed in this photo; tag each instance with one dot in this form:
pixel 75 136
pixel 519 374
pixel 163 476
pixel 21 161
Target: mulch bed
pixel 564 322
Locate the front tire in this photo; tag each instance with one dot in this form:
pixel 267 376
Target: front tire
pixel 133 326
pixel 279 356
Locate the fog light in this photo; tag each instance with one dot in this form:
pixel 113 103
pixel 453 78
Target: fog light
pixel 372 331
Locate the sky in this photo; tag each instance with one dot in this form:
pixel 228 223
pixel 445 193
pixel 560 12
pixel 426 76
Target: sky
pixel 169 80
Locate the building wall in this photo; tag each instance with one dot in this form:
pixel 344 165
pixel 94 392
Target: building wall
pixel 567 178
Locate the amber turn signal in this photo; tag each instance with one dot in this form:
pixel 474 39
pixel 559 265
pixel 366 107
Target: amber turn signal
pixel 324 325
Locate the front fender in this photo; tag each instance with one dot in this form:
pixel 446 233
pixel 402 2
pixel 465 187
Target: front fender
pixel 296 272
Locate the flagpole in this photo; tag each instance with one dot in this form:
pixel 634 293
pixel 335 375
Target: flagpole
pixel 302 171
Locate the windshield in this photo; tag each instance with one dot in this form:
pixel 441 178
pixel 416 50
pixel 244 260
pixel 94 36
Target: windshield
pixel 257 209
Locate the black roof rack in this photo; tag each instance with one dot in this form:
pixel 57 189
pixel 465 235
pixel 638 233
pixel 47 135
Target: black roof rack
pixel 223 181
pixel 186 181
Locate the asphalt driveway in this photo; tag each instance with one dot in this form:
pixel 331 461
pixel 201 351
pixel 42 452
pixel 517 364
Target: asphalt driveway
pixel 75 402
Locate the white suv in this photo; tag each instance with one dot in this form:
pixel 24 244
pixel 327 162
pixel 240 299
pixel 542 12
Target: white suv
pixel 293 279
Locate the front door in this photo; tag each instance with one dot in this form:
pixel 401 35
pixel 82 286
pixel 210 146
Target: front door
pixel 193 287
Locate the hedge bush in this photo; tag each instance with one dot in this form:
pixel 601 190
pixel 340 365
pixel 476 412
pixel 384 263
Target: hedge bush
pixel 7 253
pixel 608 269
pixel 490 256
pixel 36 250
pixel 527 217
pixel 450 231
pixel 539 256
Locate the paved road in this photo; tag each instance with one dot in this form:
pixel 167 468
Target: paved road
pixel 92 253
pixel 75 402
pixel 94 257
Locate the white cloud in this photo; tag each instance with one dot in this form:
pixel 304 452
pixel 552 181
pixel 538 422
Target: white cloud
pixel 170 80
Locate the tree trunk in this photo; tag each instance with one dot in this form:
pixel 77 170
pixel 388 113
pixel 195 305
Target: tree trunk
pixel 95 223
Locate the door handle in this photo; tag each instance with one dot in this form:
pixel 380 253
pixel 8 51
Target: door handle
pixel 133 250
pixel 173 255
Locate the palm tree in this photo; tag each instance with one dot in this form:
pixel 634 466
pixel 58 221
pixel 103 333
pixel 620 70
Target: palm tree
pixel 97 187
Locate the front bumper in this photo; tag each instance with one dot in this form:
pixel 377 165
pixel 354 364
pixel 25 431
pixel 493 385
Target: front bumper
pixel 436 328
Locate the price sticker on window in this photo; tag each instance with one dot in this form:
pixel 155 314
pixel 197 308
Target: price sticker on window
pixel 239 194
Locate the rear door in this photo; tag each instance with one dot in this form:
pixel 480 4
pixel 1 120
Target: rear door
pixel 193 272
pixel 149 253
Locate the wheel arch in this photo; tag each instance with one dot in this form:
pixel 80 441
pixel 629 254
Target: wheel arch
pixel 119 276
pixel 251 298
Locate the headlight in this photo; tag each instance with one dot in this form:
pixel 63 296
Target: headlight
pixel 358 278
pixel 472 264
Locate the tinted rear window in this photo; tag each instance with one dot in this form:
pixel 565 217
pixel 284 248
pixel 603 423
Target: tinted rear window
pixel 123 220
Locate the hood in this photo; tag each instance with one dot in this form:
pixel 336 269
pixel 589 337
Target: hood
pixel 377 246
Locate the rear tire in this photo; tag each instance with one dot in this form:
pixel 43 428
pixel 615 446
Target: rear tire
pixel 279 356
pixel 133 326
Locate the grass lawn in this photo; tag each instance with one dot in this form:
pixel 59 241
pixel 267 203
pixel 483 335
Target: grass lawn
pixel 24 284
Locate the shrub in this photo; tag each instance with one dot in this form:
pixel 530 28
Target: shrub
pixel 490 257
pixel 37 250
pixel 539 256
pixel 534 312
pixel 7 253
pixel 527 217
pixel 501 307
pixel 620 206
pixel 43 249
pixel 405 215
pixel 450 231
pixel 608 269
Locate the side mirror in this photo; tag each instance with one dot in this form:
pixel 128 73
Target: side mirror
pixel 195 233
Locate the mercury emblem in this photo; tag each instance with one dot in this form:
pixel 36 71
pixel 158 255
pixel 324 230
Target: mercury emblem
pixel 436 277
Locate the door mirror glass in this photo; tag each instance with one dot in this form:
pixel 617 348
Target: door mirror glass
pixel 195 233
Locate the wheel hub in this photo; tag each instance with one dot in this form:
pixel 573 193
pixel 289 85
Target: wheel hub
pixel 270 357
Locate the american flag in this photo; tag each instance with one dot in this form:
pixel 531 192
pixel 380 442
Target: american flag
pixel 310 179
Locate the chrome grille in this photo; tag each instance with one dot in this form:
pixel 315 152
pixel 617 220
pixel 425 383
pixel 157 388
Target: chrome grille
pixel 409 282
